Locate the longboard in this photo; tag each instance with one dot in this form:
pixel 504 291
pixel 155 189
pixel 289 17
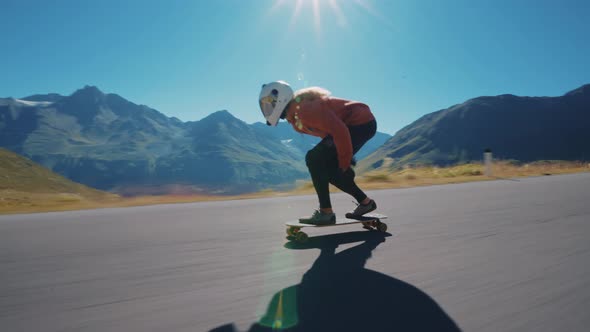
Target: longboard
pixel 371 221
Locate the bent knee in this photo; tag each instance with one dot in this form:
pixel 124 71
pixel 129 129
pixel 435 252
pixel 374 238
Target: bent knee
pixel 321 158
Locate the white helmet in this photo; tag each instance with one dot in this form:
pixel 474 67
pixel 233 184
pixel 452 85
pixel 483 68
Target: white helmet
pixel 273 100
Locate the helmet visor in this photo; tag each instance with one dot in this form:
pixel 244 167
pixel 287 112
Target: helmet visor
pixel 267 105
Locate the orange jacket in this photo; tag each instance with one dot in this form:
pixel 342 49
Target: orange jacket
pixel 330 116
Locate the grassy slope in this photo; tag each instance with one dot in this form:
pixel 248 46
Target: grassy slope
pixel 411 177
pixel 27 186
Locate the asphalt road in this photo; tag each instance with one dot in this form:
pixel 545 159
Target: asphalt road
pixel 491 256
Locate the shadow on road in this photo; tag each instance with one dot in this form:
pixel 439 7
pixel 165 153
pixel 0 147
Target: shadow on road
pixel 339 294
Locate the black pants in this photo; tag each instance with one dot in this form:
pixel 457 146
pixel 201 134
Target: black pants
pixel 322 162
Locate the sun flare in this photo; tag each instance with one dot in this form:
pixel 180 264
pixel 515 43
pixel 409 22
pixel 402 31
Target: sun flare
pixel 316 7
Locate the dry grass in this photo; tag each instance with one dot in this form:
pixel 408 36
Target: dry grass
pixel 424 176
pixel 17 201
pixel 421 176
pixel 27 202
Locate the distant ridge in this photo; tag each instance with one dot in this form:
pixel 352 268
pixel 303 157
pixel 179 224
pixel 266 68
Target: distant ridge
pixel 517 128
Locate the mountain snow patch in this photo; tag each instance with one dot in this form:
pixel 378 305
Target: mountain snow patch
pixel 33 103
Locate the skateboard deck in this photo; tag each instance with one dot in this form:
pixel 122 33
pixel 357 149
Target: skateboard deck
pixel 345 221
pixel 371 221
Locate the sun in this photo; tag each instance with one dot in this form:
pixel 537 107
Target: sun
pixel 317 6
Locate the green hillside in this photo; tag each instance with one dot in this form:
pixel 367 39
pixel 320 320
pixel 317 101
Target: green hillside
pixel 20 174
pixel 27 186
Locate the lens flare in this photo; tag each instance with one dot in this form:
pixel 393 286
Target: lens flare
pixel 315 6
pixel 338 12
pixel 282 310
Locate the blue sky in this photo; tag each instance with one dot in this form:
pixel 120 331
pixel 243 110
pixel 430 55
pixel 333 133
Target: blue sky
pixel 404 58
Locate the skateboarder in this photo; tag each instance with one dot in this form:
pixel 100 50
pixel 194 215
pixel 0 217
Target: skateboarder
pixel 344 126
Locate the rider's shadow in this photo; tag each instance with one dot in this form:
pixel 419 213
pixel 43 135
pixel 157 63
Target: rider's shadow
pixel 339 294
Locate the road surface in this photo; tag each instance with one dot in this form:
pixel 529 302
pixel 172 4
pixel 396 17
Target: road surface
pixel 489 256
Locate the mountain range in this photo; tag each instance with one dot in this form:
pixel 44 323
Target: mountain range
pixel 107 142
pixel 512 127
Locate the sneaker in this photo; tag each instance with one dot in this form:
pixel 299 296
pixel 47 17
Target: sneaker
pixel 362 209
pixel 319 218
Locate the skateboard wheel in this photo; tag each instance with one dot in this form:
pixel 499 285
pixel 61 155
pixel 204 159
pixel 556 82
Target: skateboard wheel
pixel 301 237
pixel 382 227
pixel 290 231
